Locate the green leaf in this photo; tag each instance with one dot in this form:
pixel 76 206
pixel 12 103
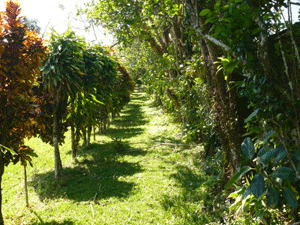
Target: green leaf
pixel 248 148
pixel 12 151
pixel 246 193
pixel 280 153
pixel 256 30
pixel 290 197
pixel 237 176
pixel 269 153
pixel 272 196
pixel 257 185
pixel 251 115
pixel 263 151
pixel 218 30
pixel 217 5
pixel 204 12
pixel 268 136
pixel 282 173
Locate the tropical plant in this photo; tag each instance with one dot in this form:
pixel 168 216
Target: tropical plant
pixel 62 74
pixel 21 53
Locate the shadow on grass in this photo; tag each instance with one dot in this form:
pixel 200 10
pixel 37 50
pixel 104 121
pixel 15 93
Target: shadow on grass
pixel 200 199
pixel 94 177
pixel 123 133
pixel 126 125
pixel 52 222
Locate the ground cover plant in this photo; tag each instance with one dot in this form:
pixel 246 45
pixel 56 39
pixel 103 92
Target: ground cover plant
pixel 138 172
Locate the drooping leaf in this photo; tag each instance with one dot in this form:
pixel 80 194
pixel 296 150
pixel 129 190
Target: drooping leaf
pixel 257 185
pixel 268 136
pixel 290 197
pixel 251 115
pixel 272 196
pixel 266 155
pixel 237 176
pixel 248 148
pixel 9 149
pixel 280 153
pixel 246 193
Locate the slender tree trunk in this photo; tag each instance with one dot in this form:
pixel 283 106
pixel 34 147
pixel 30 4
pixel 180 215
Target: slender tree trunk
pixel 84 136
pixel 89 132
pixel 77 139
pixel 100 127
pixel 104 124
pixel 94 131
pixel 73 144
pixel 57 160
pixel 25 186
pixel 1 173
pixel 177 103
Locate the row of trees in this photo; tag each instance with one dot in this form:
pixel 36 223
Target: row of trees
pixel 44 89
pixel 227 69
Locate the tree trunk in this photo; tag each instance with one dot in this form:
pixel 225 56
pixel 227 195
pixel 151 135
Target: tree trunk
pixel 94 131
pixel 89 132
pixel 1 173
pixel 73 145
pixel 177 103
pixel 104 125
pixel 73 141
pixel 25 186
pixel 84 136
pixel 57 160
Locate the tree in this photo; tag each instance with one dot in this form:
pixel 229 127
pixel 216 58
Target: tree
pixel 21 52
pixel 62 73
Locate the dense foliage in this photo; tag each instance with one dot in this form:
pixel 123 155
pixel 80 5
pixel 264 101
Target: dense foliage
pixel 226 70
pixel 21 53
pixel 82 85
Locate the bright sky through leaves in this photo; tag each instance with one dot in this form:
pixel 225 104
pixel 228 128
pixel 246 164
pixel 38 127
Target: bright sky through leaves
pixel 50 14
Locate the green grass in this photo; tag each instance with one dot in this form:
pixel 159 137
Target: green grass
pixel 125 177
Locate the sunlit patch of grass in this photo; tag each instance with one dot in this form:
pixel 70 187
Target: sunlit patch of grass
pixel 129 175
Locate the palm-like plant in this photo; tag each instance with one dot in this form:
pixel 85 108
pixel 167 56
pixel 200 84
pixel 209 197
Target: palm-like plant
pixel 62 75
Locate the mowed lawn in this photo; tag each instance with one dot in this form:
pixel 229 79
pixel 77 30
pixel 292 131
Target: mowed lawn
pixel 138 172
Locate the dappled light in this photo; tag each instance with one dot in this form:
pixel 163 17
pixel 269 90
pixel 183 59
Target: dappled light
pixel 189 116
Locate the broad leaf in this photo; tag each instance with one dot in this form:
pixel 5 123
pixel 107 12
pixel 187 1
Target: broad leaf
pixel 268 136
pixel 280 153
pixel 257 185
pixel 204 12
pixel 246 193
pixel 248 148
pixel 282 173
pixel 290 197
pixel 269 153
pixel 251 115
pixel 272 196
pixel 237 176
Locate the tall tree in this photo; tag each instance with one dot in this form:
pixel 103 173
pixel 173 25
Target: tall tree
pixel 21 52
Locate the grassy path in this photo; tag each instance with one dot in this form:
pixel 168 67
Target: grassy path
pixel 126 177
